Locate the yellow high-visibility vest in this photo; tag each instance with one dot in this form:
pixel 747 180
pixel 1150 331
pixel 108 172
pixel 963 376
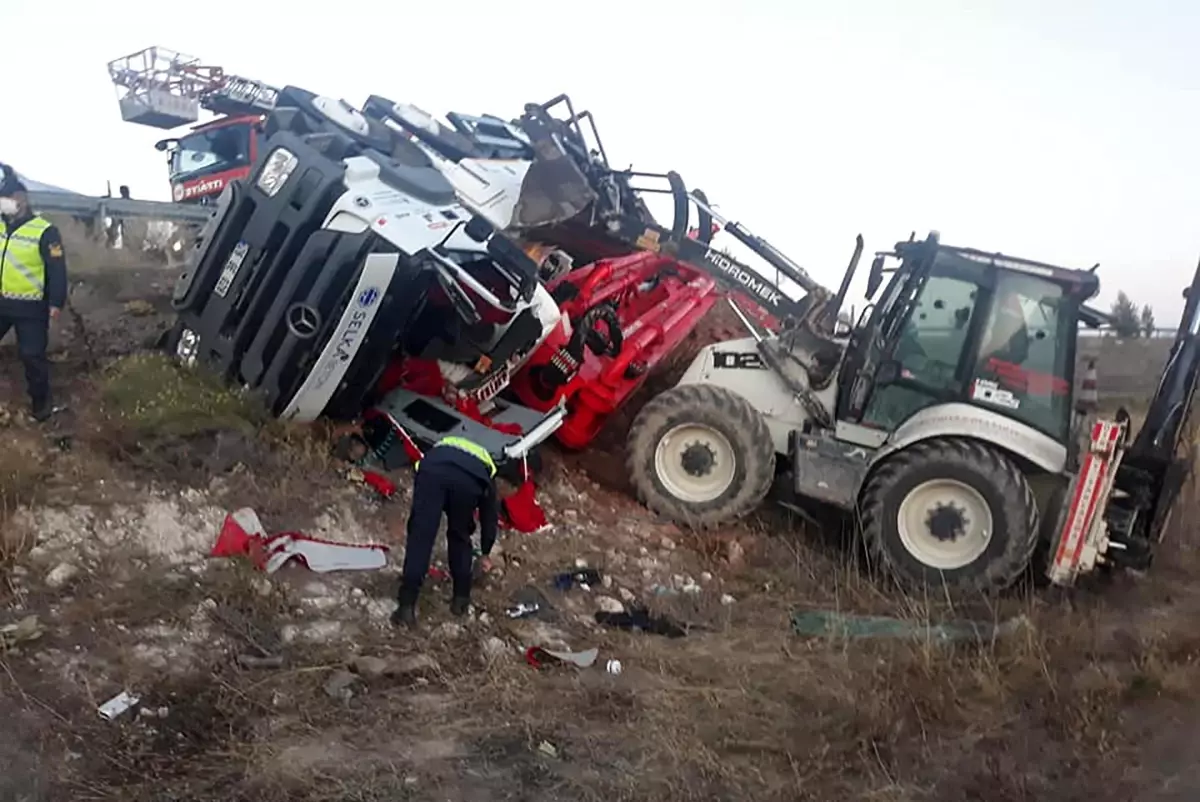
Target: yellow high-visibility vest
pixel 22 271
pixel 474 449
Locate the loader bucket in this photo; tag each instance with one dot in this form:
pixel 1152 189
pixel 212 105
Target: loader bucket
pixel 553 191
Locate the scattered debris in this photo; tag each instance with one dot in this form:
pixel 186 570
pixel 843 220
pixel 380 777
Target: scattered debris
pixel 548 749
pixel 583 577
pixel 824 623
pixel 640 619
pixel 523 610
pixel 527 601
pixel 539 657
pixel 117 705
pixel 243 534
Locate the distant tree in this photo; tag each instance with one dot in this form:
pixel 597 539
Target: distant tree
pixel 1125 317
pixel 1147 320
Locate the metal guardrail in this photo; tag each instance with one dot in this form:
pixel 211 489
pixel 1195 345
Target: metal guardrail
pixel 87 206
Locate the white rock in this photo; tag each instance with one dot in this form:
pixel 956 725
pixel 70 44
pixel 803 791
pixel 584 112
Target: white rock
pixel 727 600
pixel 380 609
pixel 581 563
pixel 448 631
pixel 494 648
pixel 667 543
pixel 706 577
pixel 60 575
pixel 608 604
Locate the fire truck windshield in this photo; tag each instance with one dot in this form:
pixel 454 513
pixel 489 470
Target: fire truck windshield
pixel 210 151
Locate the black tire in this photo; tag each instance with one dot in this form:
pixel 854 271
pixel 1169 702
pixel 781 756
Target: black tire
pixel 993 475
pixel 723 411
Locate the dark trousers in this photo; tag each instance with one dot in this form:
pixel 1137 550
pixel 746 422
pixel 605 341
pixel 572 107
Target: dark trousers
pixel 33 337
pixel 439 489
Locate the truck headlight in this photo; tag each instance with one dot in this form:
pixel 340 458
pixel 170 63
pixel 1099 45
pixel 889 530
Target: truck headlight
pixel 276 171
pixel 187 347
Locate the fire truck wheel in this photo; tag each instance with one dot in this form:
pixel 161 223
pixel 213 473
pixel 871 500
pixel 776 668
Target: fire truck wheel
pixel 950 514
pixel 700 455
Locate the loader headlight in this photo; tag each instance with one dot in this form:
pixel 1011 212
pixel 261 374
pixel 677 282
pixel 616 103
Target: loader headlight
pixel 275 173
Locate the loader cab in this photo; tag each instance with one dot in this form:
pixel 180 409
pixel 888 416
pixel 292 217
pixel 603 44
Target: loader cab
pixel 960 325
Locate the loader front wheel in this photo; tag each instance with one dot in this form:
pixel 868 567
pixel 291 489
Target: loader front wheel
pixel 950 514
pixel 700 455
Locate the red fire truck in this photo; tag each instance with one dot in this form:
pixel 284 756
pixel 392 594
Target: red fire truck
pixel 164 89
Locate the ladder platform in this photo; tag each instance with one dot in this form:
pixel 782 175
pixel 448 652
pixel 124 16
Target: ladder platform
pixel 159 109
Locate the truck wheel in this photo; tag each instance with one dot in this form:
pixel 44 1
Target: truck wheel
pixel 952 514
pixel 700 455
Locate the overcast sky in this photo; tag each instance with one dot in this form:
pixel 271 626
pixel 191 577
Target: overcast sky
pixel 1060 130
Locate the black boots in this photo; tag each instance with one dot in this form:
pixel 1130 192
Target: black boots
pixel 42 411
pixel 406 606
pixel 405 616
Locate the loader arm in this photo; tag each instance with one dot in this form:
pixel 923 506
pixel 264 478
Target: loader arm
pixel 1153 472
pixel 565 177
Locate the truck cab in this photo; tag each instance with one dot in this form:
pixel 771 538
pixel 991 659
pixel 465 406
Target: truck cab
pixel 203 161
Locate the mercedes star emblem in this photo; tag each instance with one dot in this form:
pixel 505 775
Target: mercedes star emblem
pixel 303 321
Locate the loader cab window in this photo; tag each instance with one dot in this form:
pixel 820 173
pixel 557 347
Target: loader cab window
pixel 934 320
pixel 1025 365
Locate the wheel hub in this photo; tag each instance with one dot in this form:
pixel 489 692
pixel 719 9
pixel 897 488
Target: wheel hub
pixel 695 462
pixel 698 459
pixel 947 522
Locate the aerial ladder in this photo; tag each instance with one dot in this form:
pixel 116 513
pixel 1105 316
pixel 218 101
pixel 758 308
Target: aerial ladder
pixel 164 89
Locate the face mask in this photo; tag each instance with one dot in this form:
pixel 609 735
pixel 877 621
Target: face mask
pixel 9 207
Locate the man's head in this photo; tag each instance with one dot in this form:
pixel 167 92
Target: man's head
pixel 13 200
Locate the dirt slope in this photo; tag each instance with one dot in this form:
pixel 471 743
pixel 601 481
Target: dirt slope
pixel 108 513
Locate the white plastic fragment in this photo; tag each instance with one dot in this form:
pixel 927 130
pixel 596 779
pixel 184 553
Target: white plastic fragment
pixel 117 705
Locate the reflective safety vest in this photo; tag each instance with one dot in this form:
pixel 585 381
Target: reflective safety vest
pixel 474 449
pixel 22 271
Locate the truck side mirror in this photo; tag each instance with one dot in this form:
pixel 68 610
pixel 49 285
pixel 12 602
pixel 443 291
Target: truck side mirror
pixel 875 277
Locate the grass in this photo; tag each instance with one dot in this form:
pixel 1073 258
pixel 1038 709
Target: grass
pixel 150 394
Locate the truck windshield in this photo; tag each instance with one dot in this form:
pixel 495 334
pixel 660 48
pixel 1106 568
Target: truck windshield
pixel 212 151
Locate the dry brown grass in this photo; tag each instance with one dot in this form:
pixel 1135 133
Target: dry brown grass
pixel 1084 703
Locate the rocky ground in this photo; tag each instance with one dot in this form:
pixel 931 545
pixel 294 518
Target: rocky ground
pixel 293 686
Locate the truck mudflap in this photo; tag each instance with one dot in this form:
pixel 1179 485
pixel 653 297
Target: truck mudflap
pixel 407 419
pixel 1083 534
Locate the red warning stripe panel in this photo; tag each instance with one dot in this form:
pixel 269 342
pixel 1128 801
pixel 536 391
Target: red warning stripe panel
pixel 1087 497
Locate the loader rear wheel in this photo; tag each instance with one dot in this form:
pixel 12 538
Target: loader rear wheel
pixel 950 514
pixel 700 455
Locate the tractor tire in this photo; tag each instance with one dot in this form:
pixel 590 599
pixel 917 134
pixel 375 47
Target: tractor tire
pixel 700 455
pixel 950 514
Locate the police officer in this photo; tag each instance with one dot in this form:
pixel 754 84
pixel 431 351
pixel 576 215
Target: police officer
pixel 33 285
pixel 456 477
